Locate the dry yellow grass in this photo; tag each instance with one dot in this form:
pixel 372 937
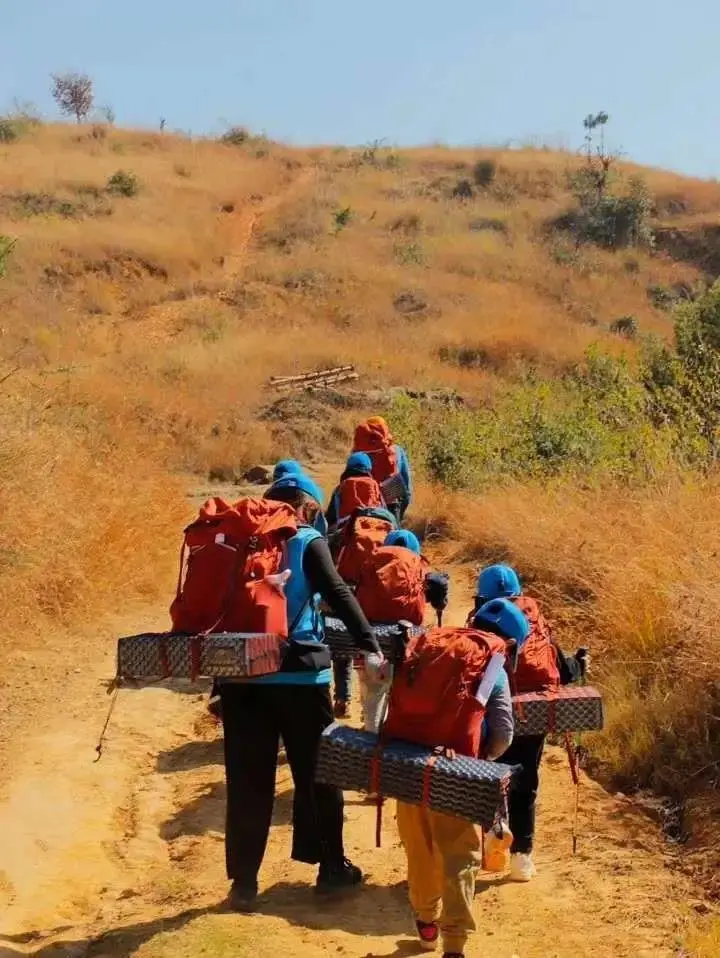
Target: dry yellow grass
pixel 145 327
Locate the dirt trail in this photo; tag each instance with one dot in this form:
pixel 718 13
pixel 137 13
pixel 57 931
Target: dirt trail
pixel 126 856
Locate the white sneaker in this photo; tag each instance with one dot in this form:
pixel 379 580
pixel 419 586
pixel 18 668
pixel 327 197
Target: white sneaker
pixel 522 867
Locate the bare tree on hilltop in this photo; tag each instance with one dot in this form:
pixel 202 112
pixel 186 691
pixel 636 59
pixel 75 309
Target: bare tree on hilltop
pixel 73 93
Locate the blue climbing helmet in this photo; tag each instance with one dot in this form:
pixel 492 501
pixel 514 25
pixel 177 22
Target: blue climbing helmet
pixel 498 582
pixel 359 462
pixel 404 538
pixel 503 618
pixel 300 481
pixel 287 467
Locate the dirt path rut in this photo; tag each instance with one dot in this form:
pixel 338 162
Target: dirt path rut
pixel 125 856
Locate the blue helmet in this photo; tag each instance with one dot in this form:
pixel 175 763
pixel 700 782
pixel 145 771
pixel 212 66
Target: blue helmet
pixel 301 482
pixel 498 582
pixel 404 538
pixel 286 467
pixel 503 618
pixel 359 462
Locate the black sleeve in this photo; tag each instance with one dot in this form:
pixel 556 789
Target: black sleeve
pixel 570 667
pixel 323 577
pixel 331 513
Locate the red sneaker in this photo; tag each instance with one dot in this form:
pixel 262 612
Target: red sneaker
pixel 428 933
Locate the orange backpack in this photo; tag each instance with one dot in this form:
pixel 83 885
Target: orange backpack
pixel 359 492
pixel 362 534
pixel 433 697
pixel 392 585
pixel 229 568
pixel 375 439
pixel 537 667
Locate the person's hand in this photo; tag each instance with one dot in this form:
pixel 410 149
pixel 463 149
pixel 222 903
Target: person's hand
pixel 377 667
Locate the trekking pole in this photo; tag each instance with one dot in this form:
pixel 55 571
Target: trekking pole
pixel 574 751
pixel 112 690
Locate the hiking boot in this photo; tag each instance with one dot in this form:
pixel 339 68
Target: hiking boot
pixel 428 933
pixel 242 895
pixel 340 709
pixel 522 867
pixel 337 877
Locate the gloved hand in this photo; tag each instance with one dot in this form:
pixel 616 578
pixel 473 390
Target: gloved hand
pixel 584 658
pixel 377 667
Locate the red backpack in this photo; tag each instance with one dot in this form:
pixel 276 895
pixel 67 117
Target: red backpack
pixel 358 492
pixel 537 667
pixel 392 585
pixel 433 697
pixel 231 556
pixel 361 536
pixel 374 438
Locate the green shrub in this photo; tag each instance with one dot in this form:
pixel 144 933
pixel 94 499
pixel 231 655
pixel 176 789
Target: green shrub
pixel 484 173
pixel 611 220
pixel 409 254
pixel 7 244
pixel 123 183
pixel 626 326
pixel 236 136
pixel 598 421
pixel 8 130
pixel 341 218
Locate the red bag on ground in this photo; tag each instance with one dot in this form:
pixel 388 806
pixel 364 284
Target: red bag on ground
pixel 359 492
pixel 537 666
pixel 230 566
pixel 432 700
pixel 392 585
pixel 361 536
pixel 374 438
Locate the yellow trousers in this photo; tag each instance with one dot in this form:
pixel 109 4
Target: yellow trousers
pixel 444 855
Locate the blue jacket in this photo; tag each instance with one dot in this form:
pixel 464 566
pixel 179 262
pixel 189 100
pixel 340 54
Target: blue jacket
pixel 304 619
pixel 403 464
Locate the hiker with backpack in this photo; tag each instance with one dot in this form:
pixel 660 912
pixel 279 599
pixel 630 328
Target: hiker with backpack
pixel 292 704
pixel 351 545
pixel 541 665
pixel 390 464
pixel 452 694
pixel 396 585
pixel 357 489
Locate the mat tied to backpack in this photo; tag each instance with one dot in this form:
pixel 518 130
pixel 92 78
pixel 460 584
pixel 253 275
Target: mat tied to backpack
pixel 427 751
pixel 229 614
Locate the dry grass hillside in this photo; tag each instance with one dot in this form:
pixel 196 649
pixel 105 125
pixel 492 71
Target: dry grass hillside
pixel 151 284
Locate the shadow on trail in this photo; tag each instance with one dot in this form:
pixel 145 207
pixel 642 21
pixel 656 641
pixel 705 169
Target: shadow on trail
pixel 192 755
pixel 367 910
pixel 118 942
pixel 206 813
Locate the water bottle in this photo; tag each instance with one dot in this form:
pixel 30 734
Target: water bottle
pixel 497 847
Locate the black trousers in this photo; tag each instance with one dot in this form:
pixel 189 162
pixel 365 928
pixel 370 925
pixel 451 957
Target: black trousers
pixel 254 718
pixel 526 750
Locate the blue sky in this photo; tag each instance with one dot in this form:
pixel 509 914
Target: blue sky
pixel 459 72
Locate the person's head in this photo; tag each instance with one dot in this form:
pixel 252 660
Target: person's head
pixel 497 582
pixel 358 464
pixel 299 491
pixel 502 617
pixel 404 538
pixel 286 467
